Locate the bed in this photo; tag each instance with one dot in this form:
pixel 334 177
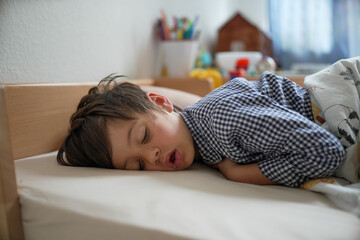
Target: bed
pixel 43 200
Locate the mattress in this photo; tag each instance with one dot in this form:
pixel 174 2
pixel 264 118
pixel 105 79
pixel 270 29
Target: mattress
pixel 59 202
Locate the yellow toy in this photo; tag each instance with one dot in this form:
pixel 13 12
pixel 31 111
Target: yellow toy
pixel 208 73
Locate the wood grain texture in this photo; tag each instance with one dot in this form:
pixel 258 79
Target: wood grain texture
pixel 10 216
pixel 199 87
pixel 39 116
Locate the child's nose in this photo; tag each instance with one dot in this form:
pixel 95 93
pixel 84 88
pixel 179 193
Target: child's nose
pixel 153 155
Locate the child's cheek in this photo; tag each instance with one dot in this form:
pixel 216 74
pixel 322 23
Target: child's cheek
pixel 167 133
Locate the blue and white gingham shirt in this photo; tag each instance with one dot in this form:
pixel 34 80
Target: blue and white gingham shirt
pixel 268 122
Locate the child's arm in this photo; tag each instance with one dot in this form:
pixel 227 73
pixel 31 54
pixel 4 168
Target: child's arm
pixel 248 173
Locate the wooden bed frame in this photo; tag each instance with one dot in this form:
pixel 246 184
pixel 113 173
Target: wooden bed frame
pixel 34 119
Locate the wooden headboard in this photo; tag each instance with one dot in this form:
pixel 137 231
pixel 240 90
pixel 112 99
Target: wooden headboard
pixel 34 119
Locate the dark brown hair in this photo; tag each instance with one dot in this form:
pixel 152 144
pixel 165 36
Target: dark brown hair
pixel 87 144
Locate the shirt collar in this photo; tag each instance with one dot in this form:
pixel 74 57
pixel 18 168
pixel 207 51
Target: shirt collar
pixel 208 154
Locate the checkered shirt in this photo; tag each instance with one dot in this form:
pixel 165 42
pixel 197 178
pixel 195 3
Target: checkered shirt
pixel 268 122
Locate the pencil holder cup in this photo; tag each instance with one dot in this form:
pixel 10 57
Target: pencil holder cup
pixel 176 58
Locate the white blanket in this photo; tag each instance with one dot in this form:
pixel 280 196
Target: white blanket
pixel 335 93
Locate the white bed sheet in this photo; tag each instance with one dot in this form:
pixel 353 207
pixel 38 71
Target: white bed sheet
pixel 60 202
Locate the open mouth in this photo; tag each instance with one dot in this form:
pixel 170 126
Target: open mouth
pixel 173 159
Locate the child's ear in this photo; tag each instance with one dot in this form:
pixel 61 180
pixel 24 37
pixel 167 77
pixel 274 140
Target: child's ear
pixel 160 100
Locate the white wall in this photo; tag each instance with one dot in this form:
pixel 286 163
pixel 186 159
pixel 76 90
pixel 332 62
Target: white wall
pixel 85 40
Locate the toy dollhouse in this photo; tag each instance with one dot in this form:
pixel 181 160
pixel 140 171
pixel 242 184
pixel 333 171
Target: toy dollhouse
pixel 238 34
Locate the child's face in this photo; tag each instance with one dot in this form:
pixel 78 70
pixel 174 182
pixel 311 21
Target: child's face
pixel 160 141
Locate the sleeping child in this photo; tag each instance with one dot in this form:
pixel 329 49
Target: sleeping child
pixel 259 132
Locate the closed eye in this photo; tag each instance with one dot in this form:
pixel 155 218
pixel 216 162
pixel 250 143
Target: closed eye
pixel 146 136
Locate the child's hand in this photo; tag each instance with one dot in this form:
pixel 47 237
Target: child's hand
pixel 247 173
